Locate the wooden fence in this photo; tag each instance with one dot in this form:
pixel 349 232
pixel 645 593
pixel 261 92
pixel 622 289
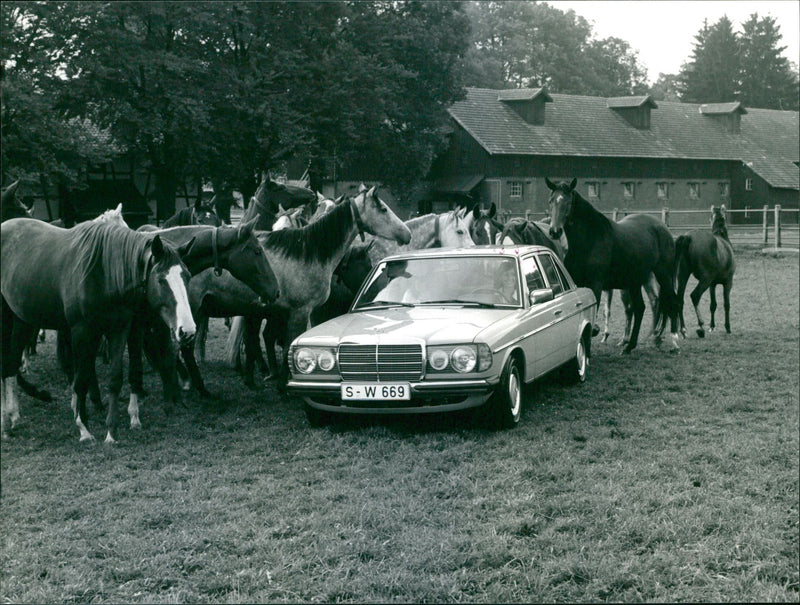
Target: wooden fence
pixel 769 227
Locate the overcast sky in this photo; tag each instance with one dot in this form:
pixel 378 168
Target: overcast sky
pixel 663 31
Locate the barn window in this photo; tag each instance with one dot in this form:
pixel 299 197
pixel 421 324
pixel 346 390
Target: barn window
pixel 694 191
pixel 593 189
pixel 629 190
pixel 515 188
pixel 724 190
pixel 748 184
pixel 662 190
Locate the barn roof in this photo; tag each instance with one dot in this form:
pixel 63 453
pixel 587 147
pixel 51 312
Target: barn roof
pixel 586 126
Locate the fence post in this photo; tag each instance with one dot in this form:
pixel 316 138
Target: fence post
pixel 527 215
pixel 614 214
pixel 765 221
pixel 665 215
pixel 777 225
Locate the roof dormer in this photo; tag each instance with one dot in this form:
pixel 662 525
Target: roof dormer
pixel 727 114
pixel 527 102
pixel 635 110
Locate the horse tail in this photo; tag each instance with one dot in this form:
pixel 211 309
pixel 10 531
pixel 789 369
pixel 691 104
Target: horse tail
pixel 681 254
pixel 234 344
pixel 668 307
pixel 32 389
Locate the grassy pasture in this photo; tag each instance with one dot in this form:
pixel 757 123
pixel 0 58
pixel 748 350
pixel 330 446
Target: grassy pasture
pixel 663 478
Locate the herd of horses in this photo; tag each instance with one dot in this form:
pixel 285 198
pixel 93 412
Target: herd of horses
pixel 295 259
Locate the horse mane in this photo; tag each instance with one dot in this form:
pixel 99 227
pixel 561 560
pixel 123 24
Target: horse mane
pixel 316 242
pixel 118 253
pixel 598 222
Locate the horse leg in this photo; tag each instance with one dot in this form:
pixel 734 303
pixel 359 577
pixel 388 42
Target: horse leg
pixel 135 373
pixel 726 301
pixel 712 307
pixel 85 342
pixel 626 305
pixel 201 321
pixel 21 333
pixel 252 349
pixel 652 290
pixel 187 353
pixel 637 305
pixel 696 295
pixel 116 347
pixel 683 278
pixel 607 314
pixel 165 361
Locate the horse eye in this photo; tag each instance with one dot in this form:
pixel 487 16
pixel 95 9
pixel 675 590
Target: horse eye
pixel 460 231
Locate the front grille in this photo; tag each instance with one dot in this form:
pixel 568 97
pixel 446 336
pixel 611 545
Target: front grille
pixel 384 363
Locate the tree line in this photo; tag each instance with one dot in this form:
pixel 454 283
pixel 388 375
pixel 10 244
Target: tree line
pixel 219 91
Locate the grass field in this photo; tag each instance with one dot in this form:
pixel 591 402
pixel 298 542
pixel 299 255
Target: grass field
pixel 663 478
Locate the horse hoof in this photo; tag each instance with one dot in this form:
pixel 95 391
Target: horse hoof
pixel 701 333
pixel 109 440
pixel 626 351
pixel 605 338
pixel 595 331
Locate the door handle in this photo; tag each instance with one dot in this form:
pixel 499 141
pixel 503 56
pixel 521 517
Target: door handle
pixel 557 312
pixel 579 303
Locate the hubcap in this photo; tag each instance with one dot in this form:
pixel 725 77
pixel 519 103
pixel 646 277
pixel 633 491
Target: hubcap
pixel 583 361
pixel 514 394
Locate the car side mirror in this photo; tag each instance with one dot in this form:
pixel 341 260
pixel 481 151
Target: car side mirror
pixel 540 296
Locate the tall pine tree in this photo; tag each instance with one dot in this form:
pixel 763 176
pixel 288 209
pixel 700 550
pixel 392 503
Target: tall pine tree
pixel 713 73
pixel 767 80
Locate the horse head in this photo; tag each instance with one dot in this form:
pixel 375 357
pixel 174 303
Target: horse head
pixel 355 266
pixel 718 222
pixel 484 228
pixel 205 214
pixel 12 207
pixel 560 205
pixel 166 287
pixel 454 229
pixel 245 259
pixel 373 216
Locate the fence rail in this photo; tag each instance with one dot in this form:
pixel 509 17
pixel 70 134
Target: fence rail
pixel 768 227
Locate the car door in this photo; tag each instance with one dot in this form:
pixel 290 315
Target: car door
pixel 562 331
pixel 537 342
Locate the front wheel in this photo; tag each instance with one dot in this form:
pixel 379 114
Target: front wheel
pixel 578 367
pixel 505 406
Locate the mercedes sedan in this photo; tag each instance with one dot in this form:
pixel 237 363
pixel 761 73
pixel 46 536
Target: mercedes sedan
pixel 439 330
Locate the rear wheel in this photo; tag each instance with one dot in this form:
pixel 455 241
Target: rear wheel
pixel 505 406
pixel 317 418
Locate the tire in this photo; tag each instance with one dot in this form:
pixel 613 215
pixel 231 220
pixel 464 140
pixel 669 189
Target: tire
pixel 578 367
pixel 505 406
pixel 317 418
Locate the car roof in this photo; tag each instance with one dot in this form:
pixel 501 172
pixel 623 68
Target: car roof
pixel 489 250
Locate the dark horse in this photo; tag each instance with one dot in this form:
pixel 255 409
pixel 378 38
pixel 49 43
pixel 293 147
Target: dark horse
pixel 708 255
pixel 199 214
pixel 90 279
pixel 271 197
pixel 604 255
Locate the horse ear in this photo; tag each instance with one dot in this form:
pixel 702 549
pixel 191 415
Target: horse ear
pixel 339 199
pixel 118 209
pixel 199 203
pixel 245 229
pixel 157 247
pixel 320 197
pixel 476 211
pixel 11 190
pixel 550 184
pixel 492 210
pixel 362 188
pixel 371 192
pixel 184 249
pixel 722 209
pixel 281 209
pixel 573 183
pixel 369 245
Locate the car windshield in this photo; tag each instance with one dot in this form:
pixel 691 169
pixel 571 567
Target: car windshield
pixel 462 280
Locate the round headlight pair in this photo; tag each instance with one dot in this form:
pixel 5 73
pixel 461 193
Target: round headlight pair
pixel 462 359
pixel 306 360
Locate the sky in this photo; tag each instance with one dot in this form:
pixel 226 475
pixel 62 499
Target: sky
pixel 663 31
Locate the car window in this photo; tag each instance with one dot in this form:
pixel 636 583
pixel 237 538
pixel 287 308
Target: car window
pixel 564 279
pixel 549 268
pixel 531 274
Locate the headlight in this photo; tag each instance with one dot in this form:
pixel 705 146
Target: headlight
pixel 307 359
pixel 438 359
pixel 463 359
pixel 484 357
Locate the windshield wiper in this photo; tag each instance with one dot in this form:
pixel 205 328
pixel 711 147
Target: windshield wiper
pixel 459 301
pixel 383 303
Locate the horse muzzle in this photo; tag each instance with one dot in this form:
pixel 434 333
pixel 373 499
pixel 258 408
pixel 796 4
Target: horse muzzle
pixel 556 233
pixel 184 336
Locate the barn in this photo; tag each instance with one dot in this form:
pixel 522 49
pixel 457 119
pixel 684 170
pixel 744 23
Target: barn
pixel 626 152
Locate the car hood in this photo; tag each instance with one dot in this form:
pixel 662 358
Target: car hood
pixel 434 324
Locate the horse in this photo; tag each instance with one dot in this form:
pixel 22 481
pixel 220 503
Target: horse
pixel 199 214
pixel 89 279
pixel 304 259
pixel 446 230
pixel 604 255
pixel 270 196
pixel 522 231
pixel 709 257
pixel 485 229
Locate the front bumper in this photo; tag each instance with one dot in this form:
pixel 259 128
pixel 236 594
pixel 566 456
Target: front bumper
pixel 426 397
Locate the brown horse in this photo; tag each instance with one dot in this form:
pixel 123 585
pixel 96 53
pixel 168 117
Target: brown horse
pixel 604 255
pixel 708 255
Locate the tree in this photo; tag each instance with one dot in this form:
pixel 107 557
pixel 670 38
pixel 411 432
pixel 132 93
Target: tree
pixel 528 44
pixel 666 88
pixel 712 74
pixel 767 79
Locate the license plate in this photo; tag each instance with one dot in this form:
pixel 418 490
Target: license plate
pixel 376 392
